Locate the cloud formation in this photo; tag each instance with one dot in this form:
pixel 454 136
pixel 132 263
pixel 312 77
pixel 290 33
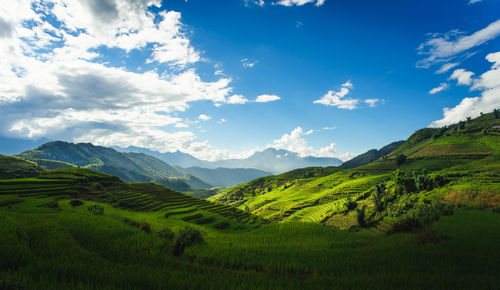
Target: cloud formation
pixel 440 88
pixel 295 142
pixel 289 3
pixel 267 98
pixel 489 86
pixel 58 81
pixel 462 76
pixel 336 98
pixel 446 47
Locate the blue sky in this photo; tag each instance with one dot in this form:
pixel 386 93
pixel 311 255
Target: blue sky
pixel 333 78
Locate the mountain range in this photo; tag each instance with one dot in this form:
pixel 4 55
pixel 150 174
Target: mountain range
pixel 270 160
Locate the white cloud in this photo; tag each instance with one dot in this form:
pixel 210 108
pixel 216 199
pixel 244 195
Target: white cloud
pixel 260 3
pixel 295 142
pixel 204 117
pixel 474 1
pixel 445 47
pixel 248 63
pixel 51 84
pixel 267 98
pixel 237 99
pixel 372 102
pixel 336 98
pixel 489 85
pixel 289 3
pixel 222 120
pixel 440 88
pixel 462 76
pixel 329 128
pixel 446 67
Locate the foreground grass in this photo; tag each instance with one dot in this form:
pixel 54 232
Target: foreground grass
pixel 69 248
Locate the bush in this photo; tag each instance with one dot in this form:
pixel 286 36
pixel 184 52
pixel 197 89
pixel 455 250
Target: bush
pixel 361 217
pixel 166 234
pixel 428 235
pixel 142 225
pixel 349 204
pixel 186 237
pixel 96 209
pixel 76 202
pixel 400 159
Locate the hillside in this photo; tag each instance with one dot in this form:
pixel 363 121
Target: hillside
pixel 371 155
pixel 127 166
pixel 15 167
pixel 78 229
pixel 225 177
pixel 459 164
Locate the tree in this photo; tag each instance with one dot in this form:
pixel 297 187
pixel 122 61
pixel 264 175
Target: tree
pixel 400 159
pixel 186 237
pixel 361 216
pixel 377 197
pixel 496 113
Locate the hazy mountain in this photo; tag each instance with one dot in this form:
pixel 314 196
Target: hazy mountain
pixel 173 158
pixel 277 161
pixel 371 155
pixel 269 160
pixel 226 176
pixel 128 166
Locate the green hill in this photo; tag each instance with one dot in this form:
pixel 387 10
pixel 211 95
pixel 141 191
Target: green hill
pixel 134 167
pixel 371 155
pixel 459 164
pixel 79 229
pixel 15 167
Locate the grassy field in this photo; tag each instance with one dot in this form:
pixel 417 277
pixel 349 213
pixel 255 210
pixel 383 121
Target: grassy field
pixel 67 247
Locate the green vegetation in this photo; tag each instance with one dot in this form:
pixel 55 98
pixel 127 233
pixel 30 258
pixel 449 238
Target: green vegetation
pixel 458 165
pixel 431 221
pixel 371 155
pixel 14 167
pixel 133 167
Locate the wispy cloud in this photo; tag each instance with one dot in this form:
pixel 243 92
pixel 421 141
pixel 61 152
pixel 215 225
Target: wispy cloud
pixel 248 63
pixel 337 98
pixel 445 47
pixel 440 88
pixel 289 3
pixel 267 98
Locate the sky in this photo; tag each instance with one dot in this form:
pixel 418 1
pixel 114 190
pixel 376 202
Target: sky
pixel 224 79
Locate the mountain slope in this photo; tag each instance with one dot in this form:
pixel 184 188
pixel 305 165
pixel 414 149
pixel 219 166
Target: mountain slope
pixel 225 177
pixel 127 166
pixel 177 158
pixel 371 155
pixel 15 167
pixel 459 164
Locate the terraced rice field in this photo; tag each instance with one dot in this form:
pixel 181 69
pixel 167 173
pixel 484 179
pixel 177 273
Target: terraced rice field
pixel 141 197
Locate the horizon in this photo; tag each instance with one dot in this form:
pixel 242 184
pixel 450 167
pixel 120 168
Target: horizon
pixel 320 78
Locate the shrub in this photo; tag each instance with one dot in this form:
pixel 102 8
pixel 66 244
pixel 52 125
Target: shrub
pixel 361 217
pixel 222 225
pixel 96 209
pixel 166 234
pixel 400 159
pixel 428 235
pixel 52 204
pixel 349 204
pixel 142 225
pixel 186 237
pixel 76 202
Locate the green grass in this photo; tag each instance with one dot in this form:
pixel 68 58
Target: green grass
pixel 69 248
